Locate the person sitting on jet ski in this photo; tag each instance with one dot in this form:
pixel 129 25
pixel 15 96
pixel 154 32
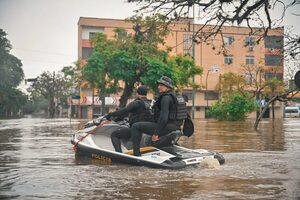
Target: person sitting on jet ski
pixel 164 116
pixel 139 110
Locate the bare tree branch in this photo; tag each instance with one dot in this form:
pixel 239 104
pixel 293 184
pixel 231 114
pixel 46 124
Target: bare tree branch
pixel 255 14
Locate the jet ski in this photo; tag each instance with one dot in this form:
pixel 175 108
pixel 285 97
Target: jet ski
pixel 94 142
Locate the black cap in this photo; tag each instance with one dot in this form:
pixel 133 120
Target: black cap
pixel 142 90
pixel 166 81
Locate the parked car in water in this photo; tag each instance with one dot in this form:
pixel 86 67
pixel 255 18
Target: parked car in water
pixel 292 112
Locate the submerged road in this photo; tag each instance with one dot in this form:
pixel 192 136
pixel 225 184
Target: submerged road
pixel 37 162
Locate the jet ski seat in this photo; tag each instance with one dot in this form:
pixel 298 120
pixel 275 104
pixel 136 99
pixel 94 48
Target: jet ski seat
pixel 164 141
pixel 168 140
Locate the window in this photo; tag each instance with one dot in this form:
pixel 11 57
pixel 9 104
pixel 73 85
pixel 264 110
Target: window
pixel 86 52
pixel 249 60
pixel 211 95
pixel 89 32
pixel 188 44
pixel 270 75
pixel 250 41
pixel 250 48
pixel 228 59
pixel 92 35
pixel 121 34
pixel 275 42
pixel 274 60
pixel 228 40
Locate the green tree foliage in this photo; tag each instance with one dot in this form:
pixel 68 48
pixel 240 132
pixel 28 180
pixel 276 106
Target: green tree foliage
pixel 36 105
pixel 231 82
pixel 53 87
pixel 273 86
pixel 135 58
pixel 73 77
pixel 11 74
pixel 232 108
pixel 12 102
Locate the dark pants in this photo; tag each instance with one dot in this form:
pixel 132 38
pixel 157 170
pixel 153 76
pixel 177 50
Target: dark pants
pixel 116 136
pixel 139 128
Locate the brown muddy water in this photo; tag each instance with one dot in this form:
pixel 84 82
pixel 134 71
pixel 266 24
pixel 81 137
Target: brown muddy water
pixel 37 162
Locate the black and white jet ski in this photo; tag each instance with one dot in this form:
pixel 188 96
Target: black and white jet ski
pixel 94 142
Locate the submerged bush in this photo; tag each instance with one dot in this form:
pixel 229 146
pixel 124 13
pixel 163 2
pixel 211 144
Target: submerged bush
pixel 232 108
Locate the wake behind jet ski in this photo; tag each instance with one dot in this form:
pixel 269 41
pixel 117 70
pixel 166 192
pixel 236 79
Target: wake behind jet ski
pixel 94 142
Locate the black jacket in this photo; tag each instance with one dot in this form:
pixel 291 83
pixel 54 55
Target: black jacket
pixel 136 110
pixel 162 109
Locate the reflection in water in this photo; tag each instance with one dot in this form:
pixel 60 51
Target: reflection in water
pixel 37 161
pixel 236 136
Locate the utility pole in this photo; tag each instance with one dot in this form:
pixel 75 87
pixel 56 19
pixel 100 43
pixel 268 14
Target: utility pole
pixel 193 52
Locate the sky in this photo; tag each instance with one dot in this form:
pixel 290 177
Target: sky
pixel 43 33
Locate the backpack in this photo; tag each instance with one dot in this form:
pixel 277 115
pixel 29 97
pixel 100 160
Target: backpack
pixel 188 126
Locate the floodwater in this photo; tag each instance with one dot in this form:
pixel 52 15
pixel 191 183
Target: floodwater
pixel 37 162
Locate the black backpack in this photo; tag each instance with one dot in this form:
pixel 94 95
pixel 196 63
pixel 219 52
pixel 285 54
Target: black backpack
pixel 188 126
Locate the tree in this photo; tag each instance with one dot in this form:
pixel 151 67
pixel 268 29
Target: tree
pixel 135 58
pixel 73 75
pixel 53 87
pixel 12 102
pixel 258 15
pixel 231 82
pixel 292 46
pixel 282 97
pixel 291 67
pixel 11 74
pixel 232 107
pixel 255 84
pixel 274 87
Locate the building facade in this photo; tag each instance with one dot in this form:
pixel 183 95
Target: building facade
pixel 241 49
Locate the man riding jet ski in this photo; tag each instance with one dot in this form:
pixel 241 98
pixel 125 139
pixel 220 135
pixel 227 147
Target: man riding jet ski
pixel 95 142
pixel 156 150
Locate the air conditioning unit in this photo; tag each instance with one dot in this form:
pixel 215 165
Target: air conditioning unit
pixel 229 62
pixel 250 48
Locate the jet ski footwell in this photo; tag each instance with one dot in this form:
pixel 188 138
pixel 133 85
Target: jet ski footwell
pixel 98 146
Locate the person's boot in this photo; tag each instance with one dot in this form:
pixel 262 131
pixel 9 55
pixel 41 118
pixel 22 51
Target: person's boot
pixel 136 151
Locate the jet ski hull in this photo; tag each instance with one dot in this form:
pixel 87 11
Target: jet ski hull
pixel 151 156
pixel 94 142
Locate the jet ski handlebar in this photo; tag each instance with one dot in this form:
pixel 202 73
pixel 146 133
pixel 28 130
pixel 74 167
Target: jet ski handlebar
pixel 99 120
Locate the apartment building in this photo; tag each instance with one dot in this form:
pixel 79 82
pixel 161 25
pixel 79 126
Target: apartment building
pixel 241 49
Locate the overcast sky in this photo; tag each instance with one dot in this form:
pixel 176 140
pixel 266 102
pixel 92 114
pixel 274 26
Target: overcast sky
pixel 43 33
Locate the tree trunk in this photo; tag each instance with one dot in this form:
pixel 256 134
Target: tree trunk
pixel 93 96
pixel 126 94
pixel 103 111
pixel 51 108
pixel 273 111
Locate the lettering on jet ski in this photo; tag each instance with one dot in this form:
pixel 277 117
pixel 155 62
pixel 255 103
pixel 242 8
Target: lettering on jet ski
pixel 103 159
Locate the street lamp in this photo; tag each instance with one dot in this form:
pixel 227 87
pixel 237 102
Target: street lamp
pixel 213 69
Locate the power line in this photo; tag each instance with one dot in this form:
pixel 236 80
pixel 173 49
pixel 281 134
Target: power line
pixel 43 52
pixel 43 61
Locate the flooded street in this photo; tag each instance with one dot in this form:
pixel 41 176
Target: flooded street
pixel 37 162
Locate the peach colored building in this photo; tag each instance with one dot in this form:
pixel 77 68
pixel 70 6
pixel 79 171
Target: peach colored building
pixel 242 50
